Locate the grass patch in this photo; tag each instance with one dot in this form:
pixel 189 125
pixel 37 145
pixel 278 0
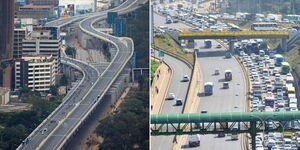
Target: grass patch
pixel 165 42
pixel 272 43
pixel 293 56
pixel 154 66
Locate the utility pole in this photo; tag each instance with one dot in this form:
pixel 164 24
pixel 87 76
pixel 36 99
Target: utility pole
pixel 95 5
pixel 259 6
pixel 293 6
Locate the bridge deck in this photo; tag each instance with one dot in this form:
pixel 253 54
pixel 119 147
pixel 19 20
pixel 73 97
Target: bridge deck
pixel 224 117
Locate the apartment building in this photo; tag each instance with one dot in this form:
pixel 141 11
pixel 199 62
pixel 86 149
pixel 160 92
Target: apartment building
pixel 37 72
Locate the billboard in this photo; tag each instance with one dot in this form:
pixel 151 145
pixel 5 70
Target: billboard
pixel 111 17
pixel 119 27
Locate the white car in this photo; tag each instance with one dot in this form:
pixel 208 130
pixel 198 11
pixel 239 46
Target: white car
pixel 171 96
pixel 186 78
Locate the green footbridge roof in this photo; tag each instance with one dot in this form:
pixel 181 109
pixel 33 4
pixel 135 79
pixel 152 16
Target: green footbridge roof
pixel 224 117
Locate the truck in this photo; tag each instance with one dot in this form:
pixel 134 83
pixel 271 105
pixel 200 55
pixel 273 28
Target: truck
pixel 168 20
pixel 194 140
pixel 207 43
pixel 228 75
pixel 208 88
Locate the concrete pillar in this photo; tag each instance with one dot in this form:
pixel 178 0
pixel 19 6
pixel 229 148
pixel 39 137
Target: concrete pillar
pixel 191 43
pixel 231 46
pixel 284 44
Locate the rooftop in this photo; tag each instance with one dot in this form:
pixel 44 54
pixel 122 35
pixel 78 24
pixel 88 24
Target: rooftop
pixel 36 6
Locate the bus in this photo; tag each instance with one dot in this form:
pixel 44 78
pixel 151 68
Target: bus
pixel 285 69
pixel 264 26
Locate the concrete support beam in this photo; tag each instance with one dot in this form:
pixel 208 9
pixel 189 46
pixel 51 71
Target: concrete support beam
pixel 284 44
pixel 190 43
pixel 231 46
pixel 183 43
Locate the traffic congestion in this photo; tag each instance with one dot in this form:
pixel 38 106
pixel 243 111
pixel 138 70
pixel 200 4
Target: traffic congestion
pixel 272 89
pixel 271 85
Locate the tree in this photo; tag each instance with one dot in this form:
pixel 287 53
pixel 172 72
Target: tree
pixel 63 81
pixel 53 90
pixel 13 136
pixel 71 51
pixel 24 91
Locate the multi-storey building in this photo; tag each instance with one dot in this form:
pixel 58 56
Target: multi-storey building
pixel 44 42
pixel 6 42
pixel 37 72
pixel 6 29
pixel 19 36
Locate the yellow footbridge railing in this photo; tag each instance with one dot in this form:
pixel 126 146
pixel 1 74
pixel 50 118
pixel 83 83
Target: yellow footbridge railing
pixel 208 34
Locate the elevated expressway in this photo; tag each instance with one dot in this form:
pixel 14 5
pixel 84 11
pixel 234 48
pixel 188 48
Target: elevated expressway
pixel 62 123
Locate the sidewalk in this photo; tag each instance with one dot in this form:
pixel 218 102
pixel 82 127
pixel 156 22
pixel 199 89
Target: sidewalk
pixel 192 101
pixel 159 88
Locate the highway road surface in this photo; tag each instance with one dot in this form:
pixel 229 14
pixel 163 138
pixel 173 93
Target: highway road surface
pixel 180 90
pixel 69 115
pixel 177 87
pixel 222 100
pixel 229 100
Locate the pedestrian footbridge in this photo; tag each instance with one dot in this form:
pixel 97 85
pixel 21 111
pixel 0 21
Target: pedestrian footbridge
pixel 235 122
pixel 232 36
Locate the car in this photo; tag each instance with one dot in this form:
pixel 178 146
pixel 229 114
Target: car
pixel 217 72
pixel 269 87
pixel 203 111
pixel 227 55
pixel 255 99
pixel 186 78
pixel 178 102
pixel 44 130
pixel 271 66
pixel 171 96
pixel 225 85
pixel 219 46
pixel 194 140
pixel 234 136
pixel 221 134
